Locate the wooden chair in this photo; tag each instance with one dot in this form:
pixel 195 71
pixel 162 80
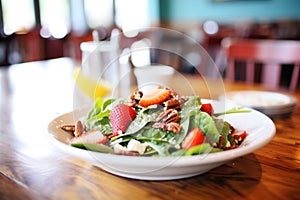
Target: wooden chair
pixel 271 54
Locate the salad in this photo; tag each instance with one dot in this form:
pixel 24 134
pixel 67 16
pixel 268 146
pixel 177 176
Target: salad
pixel 155 121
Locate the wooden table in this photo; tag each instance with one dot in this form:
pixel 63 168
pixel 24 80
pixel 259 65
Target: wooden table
pixel 32 94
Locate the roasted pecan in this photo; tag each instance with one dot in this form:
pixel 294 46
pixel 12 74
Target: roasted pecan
pixel 167 120
pixel 173 93
pixel 173 118
pixel 173 127
pixel 162 115
pixel 135 98
pixel 232 147
pixel 181 101
pixel 159 125
pixel 221 142
pixel 238 139
pixel 172 104
pixel 69 128
pixel 167 116
pixel 79 128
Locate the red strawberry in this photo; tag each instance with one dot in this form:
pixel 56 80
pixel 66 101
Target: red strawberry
pixel 93 137
pixel 120 117
pixel 207 107
pixel 153 96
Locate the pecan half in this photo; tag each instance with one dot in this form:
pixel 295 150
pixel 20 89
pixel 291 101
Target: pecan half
pixel 135 98
pixel 167 120
pixel 172 104
pixel 173 127
pixel 168 116
pixel 79 128
pixel 159 125
pixel 69 128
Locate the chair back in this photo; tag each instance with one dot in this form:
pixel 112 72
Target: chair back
pixel 271 54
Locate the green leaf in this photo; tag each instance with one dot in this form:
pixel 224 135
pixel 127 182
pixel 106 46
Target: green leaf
pixel 98 116
pixel 224 129
pixel 183 132
pixel 239 109
pixel 143 117
pixel 107 103
pixel 161 149
pixel 207 125
pixel 199 149
pixel 94 147
pixel 191 105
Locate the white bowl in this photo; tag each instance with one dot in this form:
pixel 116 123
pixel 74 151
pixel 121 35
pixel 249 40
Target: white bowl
pixel 273 104
pixel 259 127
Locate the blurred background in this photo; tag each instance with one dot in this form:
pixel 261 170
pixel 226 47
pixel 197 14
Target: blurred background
pixel 33 30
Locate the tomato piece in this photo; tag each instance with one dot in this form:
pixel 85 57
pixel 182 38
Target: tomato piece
pixel 193 138
pixel 153 96
pixel 207 107
pixel 241 134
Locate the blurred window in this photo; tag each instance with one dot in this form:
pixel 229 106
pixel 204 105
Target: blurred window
pixel 99 13
pixel 18 15
pixel 55 18
pixel 132 14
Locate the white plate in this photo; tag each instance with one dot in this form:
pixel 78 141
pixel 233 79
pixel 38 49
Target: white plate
pixel 272 104
pixel 259 127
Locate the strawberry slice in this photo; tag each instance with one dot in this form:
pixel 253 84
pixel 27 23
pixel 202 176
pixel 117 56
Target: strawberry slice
pixel 153 96
pixel 207 107
pixel 120 117
pixel 193 138
pixel 93 137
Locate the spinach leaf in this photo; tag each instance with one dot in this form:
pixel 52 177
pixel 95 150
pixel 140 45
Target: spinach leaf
pixel 224 129
pixel 189 109
pixel 143 117
pixel 206 123
pixel 191 105
pixel 163 149
pixel 98 117
pixel 183 132
pixel 94 147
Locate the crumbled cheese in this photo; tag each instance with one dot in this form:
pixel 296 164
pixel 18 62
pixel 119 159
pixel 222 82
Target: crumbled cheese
pixel 228 144
pixel 134 145
pixel 118 148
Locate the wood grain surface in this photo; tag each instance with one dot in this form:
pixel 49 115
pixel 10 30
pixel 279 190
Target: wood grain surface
pixel 32 94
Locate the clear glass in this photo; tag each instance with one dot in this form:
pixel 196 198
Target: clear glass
pixel 114 69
